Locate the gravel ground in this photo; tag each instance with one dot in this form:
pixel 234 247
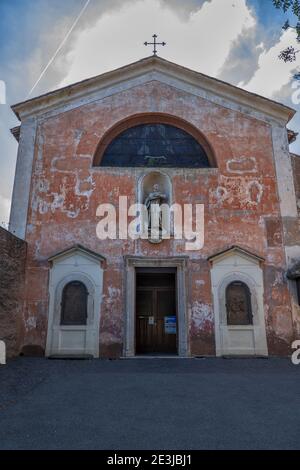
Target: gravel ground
pixel 150 404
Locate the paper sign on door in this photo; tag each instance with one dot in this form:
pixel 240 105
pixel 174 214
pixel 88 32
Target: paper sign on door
pixel 170 325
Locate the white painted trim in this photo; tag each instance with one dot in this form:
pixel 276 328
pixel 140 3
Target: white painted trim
pixel 82 268
pixel 288 205
pixel 22 181
pixel 284 172
pixel 73 250
pixel 251 274
pixel 236 251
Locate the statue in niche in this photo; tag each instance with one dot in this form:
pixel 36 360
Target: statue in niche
pixel 153 202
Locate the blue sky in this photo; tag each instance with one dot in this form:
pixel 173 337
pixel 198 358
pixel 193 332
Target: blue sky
pixel 234 40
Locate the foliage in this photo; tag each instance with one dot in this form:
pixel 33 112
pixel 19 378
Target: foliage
pixel 290 6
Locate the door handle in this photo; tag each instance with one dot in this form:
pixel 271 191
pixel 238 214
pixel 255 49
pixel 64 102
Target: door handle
pixel 144 317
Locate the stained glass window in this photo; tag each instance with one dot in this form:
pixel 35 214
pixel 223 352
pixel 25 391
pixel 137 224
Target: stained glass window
pixel 155 145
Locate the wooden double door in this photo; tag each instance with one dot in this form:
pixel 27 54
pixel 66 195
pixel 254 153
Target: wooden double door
pixel 156 316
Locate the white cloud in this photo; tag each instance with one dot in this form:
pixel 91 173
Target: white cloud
pixel 201 41
pixel 272 74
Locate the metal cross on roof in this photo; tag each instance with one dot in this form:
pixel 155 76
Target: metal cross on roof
pixel 155 43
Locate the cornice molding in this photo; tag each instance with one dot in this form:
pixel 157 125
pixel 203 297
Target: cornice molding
pixel 152 65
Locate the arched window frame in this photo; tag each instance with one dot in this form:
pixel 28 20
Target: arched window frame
pixel 153 118
pixel 76 276
pixel 255 295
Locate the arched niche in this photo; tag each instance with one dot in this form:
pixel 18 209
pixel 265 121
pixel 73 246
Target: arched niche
pixel 147 184
pixel 238 303
pixel 232 266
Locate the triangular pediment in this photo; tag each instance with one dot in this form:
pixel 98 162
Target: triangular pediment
pixel 76 250
pixel 150 69
pixel 237 253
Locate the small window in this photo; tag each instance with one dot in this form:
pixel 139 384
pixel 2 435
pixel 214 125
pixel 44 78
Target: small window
pixel 74 304
pixel 238 304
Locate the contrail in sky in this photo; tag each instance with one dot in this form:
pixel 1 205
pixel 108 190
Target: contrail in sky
pixel 59 47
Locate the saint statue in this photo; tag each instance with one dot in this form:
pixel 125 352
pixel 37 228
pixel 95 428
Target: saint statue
pixel 153 202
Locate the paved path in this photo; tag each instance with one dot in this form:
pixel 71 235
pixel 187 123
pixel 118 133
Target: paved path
pixel 150 404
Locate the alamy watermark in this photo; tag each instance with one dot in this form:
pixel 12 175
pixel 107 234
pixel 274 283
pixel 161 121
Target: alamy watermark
pixel 296 93
pixel 296 354
pixel 2 92
pixel 153 221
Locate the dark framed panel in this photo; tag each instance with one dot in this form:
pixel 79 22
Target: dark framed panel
pixel 238 304
pixel 74 304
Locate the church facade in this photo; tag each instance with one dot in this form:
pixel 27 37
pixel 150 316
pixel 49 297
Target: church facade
pixel 156 133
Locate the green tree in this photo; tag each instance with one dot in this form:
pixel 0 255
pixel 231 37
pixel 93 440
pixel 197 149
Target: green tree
pixel 290 6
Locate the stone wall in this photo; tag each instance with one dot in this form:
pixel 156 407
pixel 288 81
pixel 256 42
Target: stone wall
pixel 12 270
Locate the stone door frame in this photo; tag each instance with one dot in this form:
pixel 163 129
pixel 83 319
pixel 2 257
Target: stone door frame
pixel 133 262
pixel 74 264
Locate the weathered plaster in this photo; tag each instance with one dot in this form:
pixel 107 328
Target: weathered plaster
pixel 238 196
pixel 290 218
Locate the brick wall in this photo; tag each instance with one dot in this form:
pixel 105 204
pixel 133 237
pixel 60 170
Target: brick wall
pixel 12 268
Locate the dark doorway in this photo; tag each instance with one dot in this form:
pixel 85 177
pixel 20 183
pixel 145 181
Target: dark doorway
pixel 156 313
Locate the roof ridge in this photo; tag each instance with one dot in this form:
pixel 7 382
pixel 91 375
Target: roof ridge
pixel 209 81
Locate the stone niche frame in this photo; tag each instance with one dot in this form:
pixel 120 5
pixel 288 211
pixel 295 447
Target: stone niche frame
pixel 76 263
pixel 237 264
pixel 178 262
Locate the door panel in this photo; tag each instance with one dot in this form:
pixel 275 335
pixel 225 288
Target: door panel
pixel 144 322
pixel 155 309
pixel 166 307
